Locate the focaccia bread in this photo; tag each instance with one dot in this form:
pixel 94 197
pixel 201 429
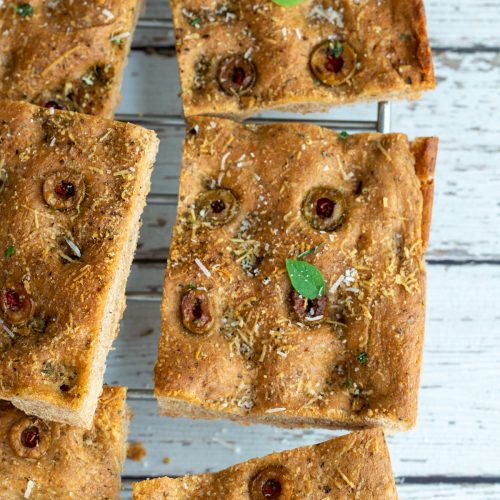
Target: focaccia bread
pixel 66 54
pixel 41 460
pixel 240 57
pixel 72 190
pixel 352 466
pixel 237 340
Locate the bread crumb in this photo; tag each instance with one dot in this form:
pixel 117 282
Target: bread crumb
pixel 136 451
pixel 166 460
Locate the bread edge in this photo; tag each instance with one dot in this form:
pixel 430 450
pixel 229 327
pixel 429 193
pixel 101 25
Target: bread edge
pixel 176 408
pixel 304 107
pixel 425 150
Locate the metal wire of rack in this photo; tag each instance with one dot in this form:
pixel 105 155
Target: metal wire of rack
pixel 381 123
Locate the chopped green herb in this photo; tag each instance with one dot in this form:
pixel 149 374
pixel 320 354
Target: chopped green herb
pixel 317 82
pixel 349 383
pixel 404 37
pixel 343 135
pixel 362 358
pixel 9 252
pixel 24 9
pixel 196 22
pixel 192 286
pixel 48 369
pixel 336 49
pixel 306 279
pixel 119 38
pixel 308 252
pixel 287 3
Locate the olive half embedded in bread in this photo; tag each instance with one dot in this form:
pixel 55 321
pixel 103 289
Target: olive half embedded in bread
pixel 324 208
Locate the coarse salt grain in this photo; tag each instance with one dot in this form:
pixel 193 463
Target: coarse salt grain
pixel 108 14
pixel 29 488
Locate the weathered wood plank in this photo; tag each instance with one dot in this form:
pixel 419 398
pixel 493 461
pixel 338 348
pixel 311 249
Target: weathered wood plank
pixel 459 25
pixel 461 112
pixel 417 491
pixel 458 430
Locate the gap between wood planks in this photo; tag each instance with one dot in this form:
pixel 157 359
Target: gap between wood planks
pixel 429 262
pixel 401 480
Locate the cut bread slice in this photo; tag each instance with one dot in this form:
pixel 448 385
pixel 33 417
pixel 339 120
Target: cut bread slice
pixel 66 54
pixel 72 193
pixel 44 460
pixel 242 58
pixel 353 466
pixel 238 341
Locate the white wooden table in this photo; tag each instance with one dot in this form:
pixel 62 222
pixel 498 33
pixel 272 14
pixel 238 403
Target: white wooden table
pixel 455 450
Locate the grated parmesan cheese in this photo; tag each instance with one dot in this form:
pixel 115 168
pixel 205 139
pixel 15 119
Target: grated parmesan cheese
pixel 7 329
pixel 204 270
pixel 119 37
pixel 107 14
pixel 327 14
pixel 275 410
pixel 223 161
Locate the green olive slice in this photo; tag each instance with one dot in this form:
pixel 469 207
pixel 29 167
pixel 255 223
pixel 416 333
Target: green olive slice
pixel 17 306
pixel 3 179
pixel 236 75
pixel 333 62
pixel 64 190
pixel 324 208
pixel 274 482
pixel 30 438
pixel 217 206
pixel 196 312
pixel 311 312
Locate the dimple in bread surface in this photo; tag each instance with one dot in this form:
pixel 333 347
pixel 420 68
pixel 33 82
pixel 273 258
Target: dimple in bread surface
pixel 352 466
pixel 52 359
pixel 392 53
pixel 259 363
pixel 68 54
pixel 74 463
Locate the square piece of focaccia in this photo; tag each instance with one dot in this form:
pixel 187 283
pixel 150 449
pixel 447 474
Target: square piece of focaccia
pixel 66 54
pixel 238 340
pixel 42 460
pixel 240 57
pixel 352 466
pixel 72 190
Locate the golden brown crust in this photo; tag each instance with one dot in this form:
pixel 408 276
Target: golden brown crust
pixel 76 464
pixel 67 54
pixel 425 151
pixel 259 363
pixel 52 363
pixel 392 53
pixel 352 466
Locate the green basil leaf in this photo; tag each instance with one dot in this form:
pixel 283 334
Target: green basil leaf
pixel 306 279
pixel 287 3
